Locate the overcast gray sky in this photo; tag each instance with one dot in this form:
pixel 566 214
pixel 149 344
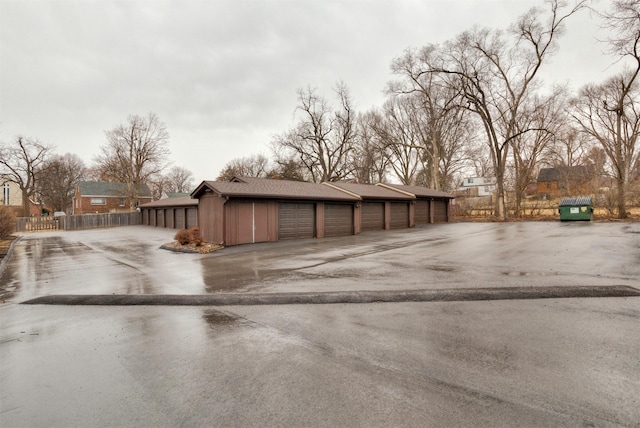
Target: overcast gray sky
pixel 223 74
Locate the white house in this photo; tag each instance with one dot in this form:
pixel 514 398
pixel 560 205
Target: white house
pixel 477 186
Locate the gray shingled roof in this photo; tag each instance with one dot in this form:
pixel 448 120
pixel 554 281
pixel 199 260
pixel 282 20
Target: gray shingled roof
pixel 369 191
pixel 101 188
pixel 579 172
pixel 180 201
pixel 276 189
pixel 419 191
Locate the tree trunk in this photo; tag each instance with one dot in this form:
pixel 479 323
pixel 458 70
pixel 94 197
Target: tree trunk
pixel 26 209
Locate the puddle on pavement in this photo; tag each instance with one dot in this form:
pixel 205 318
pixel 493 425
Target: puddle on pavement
pixel 219 321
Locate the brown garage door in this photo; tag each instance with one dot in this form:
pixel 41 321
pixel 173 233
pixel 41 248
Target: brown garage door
pixel 145 217
pixel 338 220
pixel 168 217
pixel 192 218
pixel 399 215
pixel 372 215
pixel 160 218
pixel 296 220
pixel 421 214
pixel 180 218
pixel 440 211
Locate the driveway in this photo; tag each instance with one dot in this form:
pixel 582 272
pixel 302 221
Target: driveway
pixel 128 260
pixel 541 362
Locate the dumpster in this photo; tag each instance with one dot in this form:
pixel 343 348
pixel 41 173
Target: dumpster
pixel 576 209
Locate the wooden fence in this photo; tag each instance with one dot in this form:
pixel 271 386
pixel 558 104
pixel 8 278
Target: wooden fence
pixel 77 222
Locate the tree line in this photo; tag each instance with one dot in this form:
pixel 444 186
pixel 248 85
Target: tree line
pixel 135 153
pixel 475 105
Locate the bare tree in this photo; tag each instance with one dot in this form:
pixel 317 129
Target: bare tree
pixel 570 147
pixel 541 120
pixel 609 112
pixel 497 75
pixel 370 160
pixel 249 166
pixel 323 139
pixel 135 152
pixel 19 163
pixel 57 179
pixel 180 180
pixel 440 117
pixel 400 135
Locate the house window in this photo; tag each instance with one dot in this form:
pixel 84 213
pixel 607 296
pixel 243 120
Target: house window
pixel 121 202
pixel 98 201
pixel 5 193
pixel 548 185
pixel 469 180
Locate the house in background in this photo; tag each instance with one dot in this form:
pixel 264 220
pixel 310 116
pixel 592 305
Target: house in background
pixel 566 181
pixel 477 186
pixel 11 197
pixel 166 195
pixel 93 197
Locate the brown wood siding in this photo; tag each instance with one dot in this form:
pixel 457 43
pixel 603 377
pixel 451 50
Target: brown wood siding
pixel 210 214
pixel 145 217
pixel 440 211
pixel 246 222
pixel 296 220
pixel 399 215
pixel 421 212
pixel 338 220
pixel 372 215
pixel 192 218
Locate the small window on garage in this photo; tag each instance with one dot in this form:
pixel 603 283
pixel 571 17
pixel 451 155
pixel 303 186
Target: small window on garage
pixel 121 202
pixel 98 201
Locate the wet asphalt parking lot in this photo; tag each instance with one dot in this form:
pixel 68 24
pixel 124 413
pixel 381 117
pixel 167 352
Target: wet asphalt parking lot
pixel 522 362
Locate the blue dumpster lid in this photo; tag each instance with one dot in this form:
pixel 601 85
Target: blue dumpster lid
pixel 581 200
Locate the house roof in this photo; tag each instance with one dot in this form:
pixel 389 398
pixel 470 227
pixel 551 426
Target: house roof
pixel 579 172
pixel 179 201
pixel 418 191
pixel 176 194
pixel 368 191
pixel 105 189
pixel 273 189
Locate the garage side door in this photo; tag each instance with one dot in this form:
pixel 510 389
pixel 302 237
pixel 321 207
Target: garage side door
pixel 421 214
pixel 296 220
pixel 338 220
pixel 372 215
pixel 399 215
pixel 440 211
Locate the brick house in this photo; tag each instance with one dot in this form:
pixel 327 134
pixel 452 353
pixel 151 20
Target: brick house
pixel 566 181
pixel 93 197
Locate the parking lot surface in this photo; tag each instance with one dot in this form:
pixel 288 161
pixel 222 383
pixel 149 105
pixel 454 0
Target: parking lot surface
pixel 540 362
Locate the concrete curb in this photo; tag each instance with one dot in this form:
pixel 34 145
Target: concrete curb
pixel 390 296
